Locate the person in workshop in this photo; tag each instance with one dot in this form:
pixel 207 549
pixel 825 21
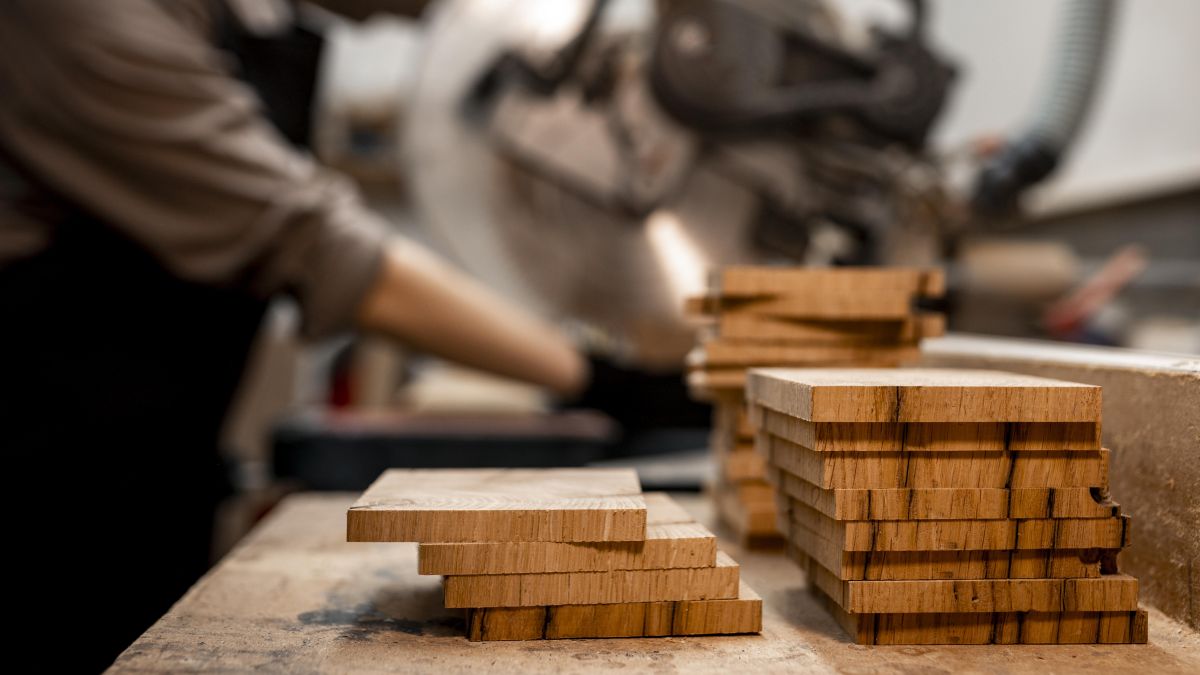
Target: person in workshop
pixel 150 208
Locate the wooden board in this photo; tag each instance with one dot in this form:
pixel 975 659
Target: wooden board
pixel 673 539
pixel 772 321
pixel 961 535
pixel 754 523
pixel 985 628
pixel 594 588
pixel 881 306
pixel 717 385
pixel 453 505
pixel 916 436
pixel 642 619
pixel 948 565
pixel 293 596
pixel 921 395
pixel 752 281
pixel 1108 593
pixel 744 354
pixel 962 469
pixel 1150 422
pixel 743 465
pixel 947 503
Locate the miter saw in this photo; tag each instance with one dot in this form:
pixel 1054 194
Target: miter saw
pixel 595 159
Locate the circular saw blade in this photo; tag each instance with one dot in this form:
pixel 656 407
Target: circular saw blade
pixel 621 278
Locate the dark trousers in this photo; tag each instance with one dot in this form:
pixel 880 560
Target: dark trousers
pixel 114 380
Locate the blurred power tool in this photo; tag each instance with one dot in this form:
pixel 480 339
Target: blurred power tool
pixel 596 158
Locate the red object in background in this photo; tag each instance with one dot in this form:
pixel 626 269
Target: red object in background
pixel 1066 316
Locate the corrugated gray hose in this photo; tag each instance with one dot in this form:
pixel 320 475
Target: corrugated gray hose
pixel 1085 28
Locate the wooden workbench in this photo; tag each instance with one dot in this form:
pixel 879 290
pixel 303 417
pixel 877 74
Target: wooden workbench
pixel 295 597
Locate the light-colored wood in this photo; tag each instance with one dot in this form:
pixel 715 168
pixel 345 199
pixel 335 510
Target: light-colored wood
pixel 743 465
pixel 917 565
pixel 752 281
pixel 456 505
pixel 1106 593
pixel 731 354
pixel 673 539
pixel 984 628
pixel 961 535
pixel 644 619
pixel 293 596
pixel 921 395
pixel 594 588
pixel 717 385
pixel 948 503
pixel 755 523
pixel 915 436
pixel 760 325
pixel 1151 424
pixel 882 306
pixel 962 469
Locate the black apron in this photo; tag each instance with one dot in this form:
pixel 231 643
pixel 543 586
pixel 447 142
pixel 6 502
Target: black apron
pixel 115 377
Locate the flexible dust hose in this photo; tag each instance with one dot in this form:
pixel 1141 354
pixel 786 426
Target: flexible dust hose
pixel 1085 28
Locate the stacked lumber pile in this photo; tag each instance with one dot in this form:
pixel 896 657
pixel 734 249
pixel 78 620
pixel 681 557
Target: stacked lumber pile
pixel 787 316
pixel 934 506
pixel 559 553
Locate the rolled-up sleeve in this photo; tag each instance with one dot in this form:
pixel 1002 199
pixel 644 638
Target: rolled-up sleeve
pixel 134 116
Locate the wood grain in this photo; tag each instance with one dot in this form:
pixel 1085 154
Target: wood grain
pixel 983 628
pixel 643 619
pixel 958 469
pixel 471 505
pixel 918 565
pixel 921 395
pixel 1106 593
pixel 916 436
pixel 673 539
pixel 774 321
pixel 960 535
pixel 594 588
pixel 745 354
pixel 759 280
pixel 947 503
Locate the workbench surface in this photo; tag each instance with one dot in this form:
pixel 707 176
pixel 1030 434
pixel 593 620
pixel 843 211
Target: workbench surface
pixel 295 597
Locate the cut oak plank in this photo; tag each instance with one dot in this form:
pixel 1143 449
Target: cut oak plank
pixel 882 306
pixel 743 465
pixel 773 321
pixel 916 565
pixel 455 505
pixel 959 469
pixel 642 619
pixel 961 535
pixel 1107 593
pixel 755 523
pixel 594 588
pixel 673 539
pixel 746 280
pixel 981 628
pixel 921 395
pixel 745 354
pixel 944 436
pixel 947 503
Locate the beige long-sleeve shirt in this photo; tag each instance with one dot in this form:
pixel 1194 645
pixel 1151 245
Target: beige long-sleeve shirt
pixel 126 108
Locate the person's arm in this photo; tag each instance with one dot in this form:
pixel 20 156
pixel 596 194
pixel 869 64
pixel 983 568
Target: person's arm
pixel 134 116
pixel 439 310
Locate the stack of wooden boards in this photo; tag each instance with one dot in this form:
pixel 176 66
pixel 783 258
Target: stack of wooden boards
pixel 559 553
pixel 937 506
pixel 787 316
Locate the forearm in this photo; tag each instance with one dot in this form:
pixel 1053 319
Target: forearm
pixel 421 301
